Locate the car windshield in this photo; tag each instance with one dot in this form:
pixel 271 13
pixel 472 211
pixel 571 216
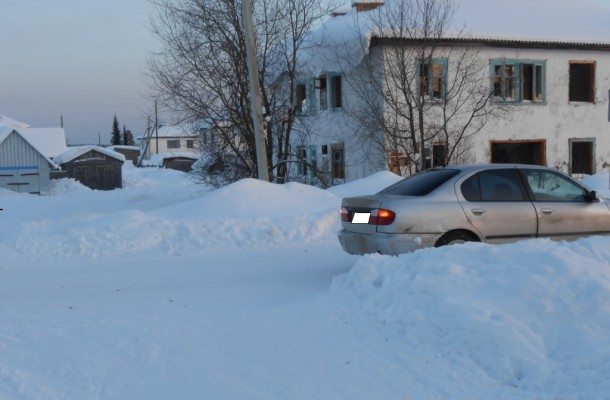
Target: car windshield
pixel 422 183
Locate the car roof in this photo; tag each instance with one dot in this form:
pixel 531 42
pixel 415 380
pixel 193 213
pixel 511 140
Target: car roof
pixel 474 167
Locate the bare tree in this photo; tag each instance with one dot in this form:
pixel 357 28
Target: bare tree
pixel 200 73
pixel 420 90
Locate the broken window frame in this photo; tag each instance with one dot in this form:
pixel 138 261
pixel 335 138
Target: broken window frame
pixel 434 156
pixel 322 87
pixel 429 79
pixel 337 160
pixel 301 103
pixel 330 91
pixel 397 160
pixel 308 95
pixel 511 84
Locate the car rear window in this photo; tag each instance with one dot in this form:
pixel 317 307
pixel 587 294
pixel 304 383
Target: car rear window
pixel 422 183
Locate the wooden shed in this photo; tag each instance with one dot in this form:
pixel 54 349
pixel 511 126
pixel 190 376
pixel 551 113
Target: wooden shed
pixel 23 167
pixel 180 163
pixel 131 153
pixel 93 166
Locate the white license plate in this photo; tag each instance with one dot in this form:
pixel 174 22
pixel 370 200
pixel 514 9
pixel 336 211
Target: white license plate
pixel 361 218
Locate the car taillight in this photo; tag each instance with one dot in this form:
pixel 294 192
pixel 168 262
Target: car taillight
pixel 345 214
pixel 381 217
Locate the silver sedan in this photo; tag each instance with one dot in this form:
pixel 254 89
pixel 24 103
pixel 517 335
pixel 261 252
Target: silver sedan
pixel 495 203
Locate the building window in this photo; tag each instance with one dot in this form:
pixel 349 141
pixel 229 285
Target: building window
pixel 519 152
pixel 323 92
pixel 504 82
pixel 582 157
pixel 301 161
pixel 301 99
pixel 336 100
pixel 435 157
pixel 518 80
pixel 397 161
pixel 313 160
pixel 432 78
pixel 531 82
pixel 338 161
pixel 190 144
pixel 582 81
pixel 173 143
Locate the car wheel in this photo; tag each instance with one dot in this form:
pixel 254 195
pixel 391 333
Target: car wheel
pixel 456 237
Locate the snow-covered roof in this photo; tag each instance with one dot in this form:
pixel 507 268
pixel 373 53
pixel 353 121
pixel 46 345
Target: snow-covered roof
pixel 341 41
pixel 5 131
pixel 6 121
pixel 176 131
pixel 73 153
pixel 49 141
pixel 123 147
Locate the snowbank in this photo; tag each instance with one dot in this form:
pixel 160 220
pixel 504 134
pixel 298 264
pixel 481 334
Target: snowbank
pixel 533 315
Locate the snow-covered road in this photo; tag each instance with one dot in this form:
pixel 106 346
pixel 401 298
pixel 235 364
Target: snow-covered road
pixel 165 290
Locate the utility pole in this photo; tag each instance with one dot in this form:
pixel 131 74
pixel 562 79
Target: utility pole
pixel 255 92
pixel 157 126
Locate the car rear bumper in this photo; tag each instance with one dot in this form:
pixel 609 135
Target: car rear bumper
pixel 384 243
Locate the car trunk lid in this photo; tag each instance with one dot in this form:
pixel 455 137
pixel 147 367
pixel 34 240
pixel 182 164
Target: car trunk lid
pixel 356 213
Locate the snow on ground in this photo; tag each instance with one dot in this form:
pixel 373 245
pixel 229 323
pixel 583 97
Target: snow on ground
pixel 166 289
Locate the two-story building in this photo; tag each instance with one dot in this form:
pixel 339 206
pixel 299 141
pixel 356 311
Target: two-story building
pixel 554 94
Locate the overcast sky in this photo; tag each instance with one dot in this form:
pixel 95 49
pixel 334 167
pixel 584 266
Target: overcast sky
pixel 84 59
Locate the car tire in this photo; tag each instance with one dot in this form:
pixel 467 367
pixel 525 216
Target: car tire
pixel 456 237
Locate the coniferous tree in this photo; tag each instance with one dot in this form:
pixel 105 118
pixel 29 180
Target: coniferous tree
pixel 116 133
pixel 127 137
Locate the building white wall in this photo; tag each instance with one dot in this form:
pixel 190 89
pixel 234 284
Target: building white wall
pixel 557 120
pixel 161 145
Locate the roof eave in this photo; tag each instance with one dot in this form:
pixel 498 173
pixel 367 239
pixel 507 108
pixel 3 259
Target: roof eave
pixel 492 42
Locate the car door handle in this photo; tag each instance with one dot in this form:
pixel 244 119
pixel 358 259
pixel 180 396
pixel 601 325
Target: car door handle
pixel 547 211
pixel 478 211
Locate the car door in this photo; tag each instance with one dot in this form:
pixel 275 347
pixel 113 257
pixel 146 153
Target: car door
pixel 496 204
pixel 564 208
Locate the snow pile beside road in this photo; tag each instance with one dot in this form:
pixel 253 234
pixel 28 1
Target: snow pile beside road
pixel 153 215
pixel 534 315
pixel 161 210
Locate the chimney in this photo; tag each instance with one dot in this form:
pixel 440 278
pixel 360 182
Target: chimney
pixel 366 5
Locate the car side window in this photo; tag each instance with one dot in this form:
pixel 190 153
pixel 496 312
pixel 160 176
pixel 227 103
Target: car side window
pixel 494 185
pixel 553 186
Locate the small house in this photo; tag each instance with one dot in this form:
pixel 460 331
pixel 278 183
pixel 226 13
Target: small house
pixel 131 153
pixel 24 167
pixel 93 166
pixel 172 139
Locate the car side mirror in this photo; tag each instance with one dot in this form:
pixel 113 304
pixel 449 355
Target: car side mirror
pixel 592 196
